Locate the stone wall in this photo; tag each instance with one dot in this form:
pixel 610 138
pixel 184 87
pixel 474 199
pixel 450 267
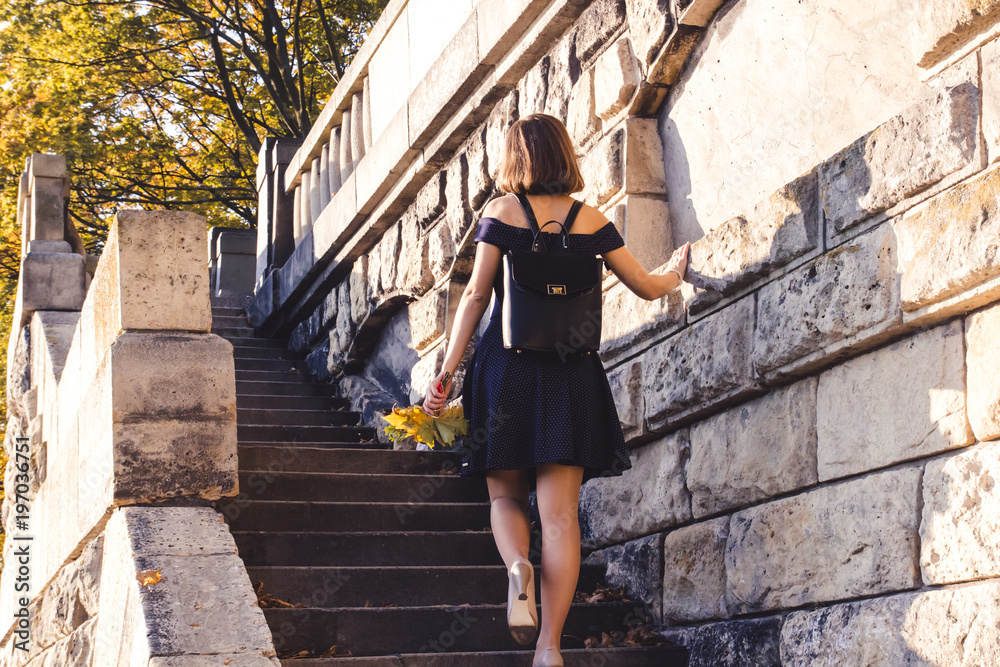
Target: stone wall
pixel 120 396
pixel 814 417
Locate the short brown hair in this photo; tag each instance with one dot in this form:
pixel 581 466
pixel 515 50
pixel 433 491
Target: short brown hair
pixel 539 158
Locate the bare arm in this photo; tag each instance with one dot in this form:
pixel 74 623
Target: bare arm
pixel 647 285
pixel 473 304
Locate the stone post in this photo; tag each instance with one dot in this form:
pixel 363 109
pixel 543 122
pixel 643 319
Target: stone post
pixel 276 207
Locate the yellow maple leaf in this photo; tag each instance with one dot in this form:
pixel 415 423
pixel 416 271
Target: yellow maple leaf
pixel 424 427
pixel 149 577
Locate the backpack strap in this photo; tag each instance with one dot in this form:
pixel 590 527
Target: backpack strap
pixel 530 215
pixel 571 216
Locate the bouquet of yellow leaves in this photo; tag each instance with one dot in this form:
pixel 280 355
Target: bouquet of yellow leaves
pixel 436 431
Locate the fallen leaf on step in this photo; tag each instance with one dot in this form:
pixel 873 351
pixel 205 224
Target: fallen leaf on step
pixel 149 577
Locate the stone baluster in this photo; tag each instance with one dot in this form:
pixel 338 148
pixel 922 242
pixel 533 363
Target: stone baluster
pixel 305 201
pixel 346 161
pixel 357 130
pixel 366 107
pixel 315 200
pixel 324 176
pixel 335 161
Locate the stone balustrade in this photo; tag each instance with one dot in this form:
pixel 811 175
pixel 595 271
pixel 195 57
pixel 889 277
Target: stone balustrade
pixel 119 396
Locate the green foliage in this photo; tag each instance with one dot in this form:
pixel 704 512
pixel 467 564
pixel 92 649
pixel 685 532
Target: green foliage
pixel 160 103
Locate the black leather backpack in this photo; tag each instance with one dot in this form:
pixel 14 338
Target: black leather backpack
pixel 552 298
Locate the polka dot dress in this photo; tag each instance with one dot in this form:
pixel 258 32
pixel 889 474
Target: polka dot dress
pixel 532 407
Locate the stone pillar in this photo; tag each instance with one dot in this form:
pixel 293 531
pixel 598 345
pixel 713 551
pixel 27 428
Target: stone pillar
pixel 324 176
pixel 334 161
pixel 357 130
pixel 346 161
pixel 305 204
pixel 366 113
pixel 275 219
pixel 315 200
pixel 52 276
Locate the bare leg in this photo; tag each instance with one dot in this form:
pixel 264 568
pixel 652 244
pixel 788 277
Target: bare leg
pixel 558 493
pixel 509 513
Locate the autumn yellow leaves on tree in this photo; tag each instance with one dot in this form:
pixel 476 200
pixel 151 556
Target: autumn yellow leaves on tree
pixel 160 103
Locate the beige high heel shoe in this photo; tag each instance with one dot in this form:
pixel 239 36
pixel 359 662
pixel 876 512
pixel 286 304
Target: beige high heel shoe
pixel 522 616
pixel 550 658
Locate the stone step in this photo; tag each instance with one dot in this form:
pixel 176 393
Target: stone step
pixel 298 515
pixel 652 656
pixel 223 309
pixel 268 364
pixel 344 487
pixel 233 320
pixel 297 417
pixel 230 333
pixel 272 388
pixel 374 445
pixel 277 375
pixel 303 433
pixel 397 586
pixel 249 341
pixel 253 400
pixel 230 300
pixel 307 458
pixel 346 549
pixel 387 630
pixel 242 353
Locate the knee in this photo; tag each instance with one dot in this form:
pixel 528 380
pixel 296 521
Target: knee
pixel 509 501
pixel 558 520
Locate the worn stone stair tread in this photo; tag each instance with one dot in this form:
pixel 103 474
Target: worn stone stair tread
pixel 266 364
pixel 652 656
pixel 345 459
pixel 396 585
pixel 300 432
pixel 264 401
pixel 413 629
pixel 292 417
pixel 327 444
pixel 277 388
pixel 336 486
pixel 251 341
pixel 382 548
pixel 251 352
pixel 301 515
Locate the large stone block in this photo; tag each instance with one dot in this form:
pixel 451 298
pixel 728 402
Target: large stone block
pixel 156 270
pixel 960 529
pixel 949 626
pixel 51 281
pixel 650 22
pixel 440 250
pixel 648 497
pixel 603 169
pixel 480 184
pixel 694 572
pixel 501 118
pixel 645 172
pixel 704 366
pixel 761 449
pixel 626 386
pixel 563 77
pixel 776 231
pixel 951 244
pixel 840 301
pixel 596 26
pixel 427 318
pixel 849 540
pixel 646 222
pixel 360 290
pixel 414 272
pixel 900 402
pixel 991 98
pixel 637 566
pixel 532 89
pixel 389 257
pixel 501 23
pixel 944 26
pixel 430 200
pixel 583 122
pixel 917 148
pixel 745 643
pixel 982 338
pixel 616 76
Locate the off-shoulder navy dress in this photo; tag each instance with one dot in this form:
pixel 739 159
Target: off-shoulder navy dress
pixel 532 407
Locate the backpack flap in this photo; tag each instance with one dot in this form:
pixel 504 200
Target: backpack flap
pixel 554 274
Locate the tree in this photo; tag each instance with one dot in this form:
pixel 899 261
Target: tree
pixel 160 103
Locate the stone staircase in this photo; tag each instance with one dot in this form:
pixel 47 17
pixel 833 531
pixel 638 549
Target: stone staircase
pixel 386 555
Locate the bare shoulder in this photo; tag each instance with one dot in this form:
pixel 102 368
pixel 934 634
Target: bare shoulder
pixel 501 207
pixel 589 220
